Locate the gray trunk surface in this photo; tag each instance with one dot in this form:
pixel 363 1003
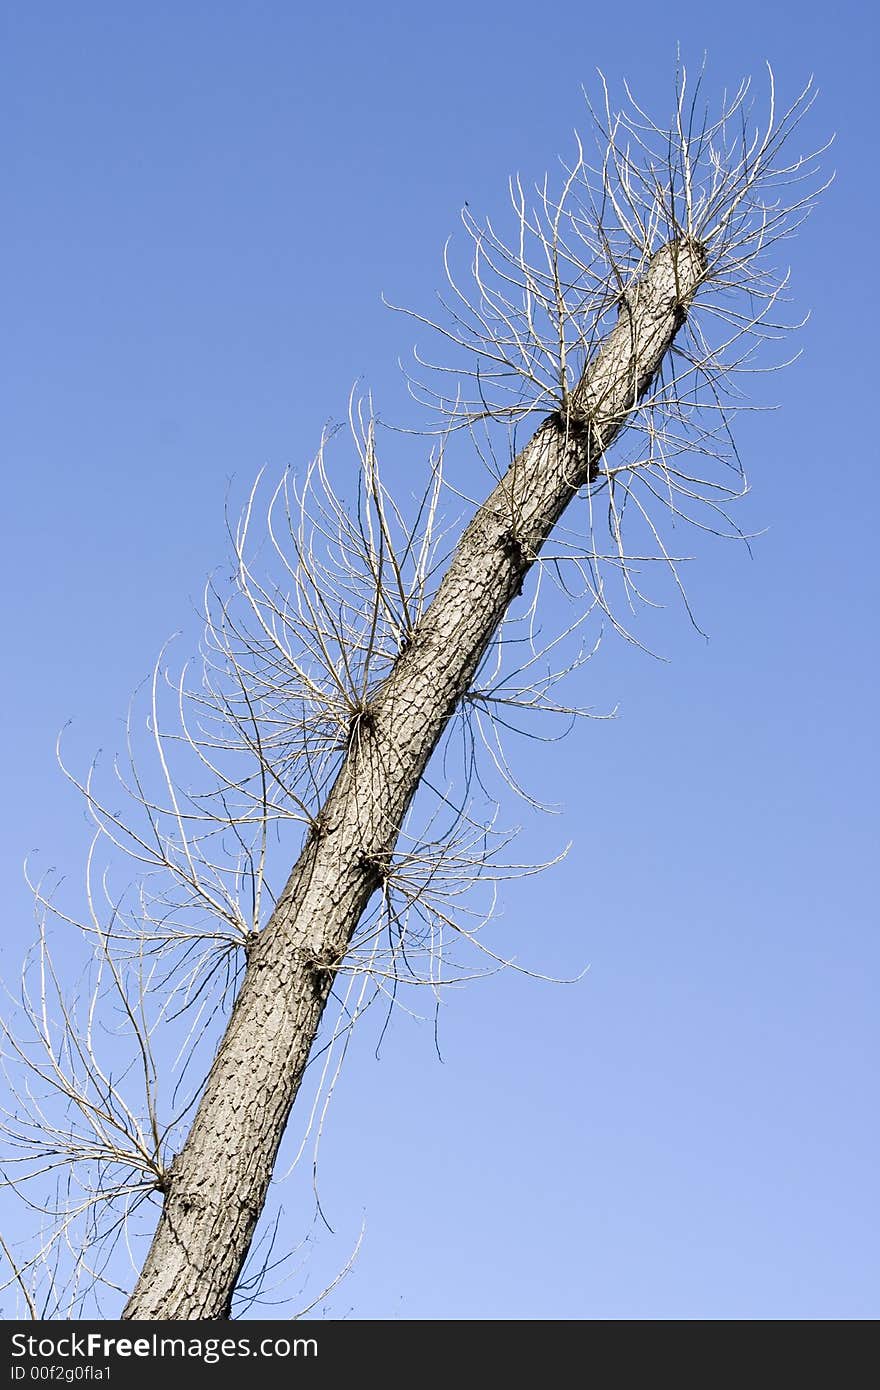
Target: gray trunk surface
pixel 217 1184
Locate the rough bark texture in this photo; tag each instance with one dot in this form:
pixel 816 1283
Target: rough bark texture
pixel 218 1181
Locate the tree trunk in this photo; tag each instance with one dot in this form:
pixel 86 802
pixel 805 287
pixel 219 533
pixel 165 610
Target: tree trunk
pixel 218 1182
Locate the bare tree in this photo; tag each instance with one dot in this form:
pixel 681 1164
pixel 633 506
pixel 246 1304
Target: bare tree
pixel 352 644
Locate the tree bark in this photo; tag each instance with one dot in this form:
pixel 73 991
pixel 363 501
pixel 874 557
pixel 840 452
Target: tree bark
pixel 218 1182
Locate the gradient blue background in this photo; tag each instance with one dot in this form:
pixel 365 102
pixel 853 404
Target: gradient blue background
pixel 202 204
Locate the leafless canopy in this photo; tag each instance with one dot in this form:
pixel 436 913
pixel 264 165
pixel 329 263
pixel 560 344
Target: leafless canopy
pixel 228 774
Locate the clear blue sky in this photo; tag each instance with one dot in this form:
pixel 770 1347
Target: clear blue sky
pixel 202 206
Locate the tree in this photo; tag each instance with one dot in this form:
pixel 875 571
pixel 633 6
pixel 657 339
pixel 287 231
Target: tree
pixel 612 324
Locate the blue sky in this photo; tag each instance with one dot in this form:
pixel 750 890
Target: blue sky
pixel 203 206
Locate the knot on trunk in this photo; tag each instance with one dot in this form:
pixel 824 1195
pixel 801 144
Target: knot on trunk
pixel 573 424
pixel 515 553
pixel 321 968
pixel 362 722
